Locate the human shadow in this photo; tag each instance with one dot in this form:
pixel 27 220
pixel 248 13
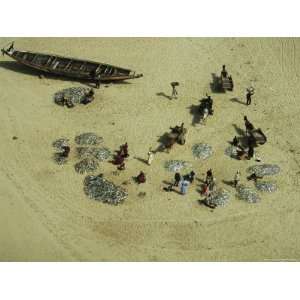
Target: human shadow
pixel 228 182
pixel 141 160
pixel 215 85
pixel 164 143
pixel 237 100
pixel 239 130
pixel 194 111
pixel 162 94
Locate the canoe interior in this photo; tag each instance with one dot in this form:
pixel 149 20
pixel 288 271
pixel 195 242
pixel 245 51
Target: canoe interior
pixel 69 66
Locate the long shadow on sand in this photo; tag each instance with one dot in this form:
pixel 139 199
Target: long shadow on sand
pixel 141 160
pixel 215 85
pixel 239 130
pixel 162 94
pixel 194 111
pixel 237 100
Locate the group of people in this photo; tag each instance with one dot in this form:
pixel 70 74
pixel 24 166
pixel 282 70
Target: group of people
pixel 119 158
pixel 182 182
pixel 246 151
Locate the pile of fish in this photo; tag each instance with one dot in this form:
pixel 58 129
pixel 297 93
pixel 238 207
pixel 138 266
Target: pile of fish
pixel 231 151
pixel 73 96
pixel 264 169
pixel 98 188
pixel 99 153
pixel 202 151
pixel 176 165
pixel 247 194
pixel 86 165
pixel 59 144
pixel 88 138
pixel 219 198
pixel 60 159
pixel 266 186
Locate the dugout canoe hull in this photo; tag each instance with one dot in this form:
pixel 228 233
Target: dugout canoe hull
pixel 70 67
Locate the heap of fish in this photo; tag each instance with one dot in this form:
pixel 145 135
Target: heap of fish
pixel 264 169
pixel 231 151
pixel 99 153
pixel 88 138
pixel 176 165
pixel 86 165
pixel 266 186
pixel 247 194
pixel 220 198
pixel 72 96
pixel 202 151
pixel 59 144
pixel 98 188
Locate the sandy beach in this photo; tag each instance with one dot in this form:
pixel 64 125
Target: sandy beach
pixel 44 213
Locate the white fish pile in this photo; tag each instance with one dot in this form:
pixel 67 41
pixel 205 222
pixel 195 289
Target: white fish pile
pixel 99 153
pixel 60 159
pixel 202 151
pixel 266 186
pixel 60 143
pixel 247 194
pixel 98 188
pixel 220 198
pixel 72 96
pixel 264 169
pixel 176 165
pixel 88 138
pixel 86 165
pixel 231 151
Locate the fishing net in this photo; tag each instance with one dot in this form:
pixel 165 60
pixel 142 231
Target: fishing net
pixel 265 169
pixel 72 96
pixel 202 151
pixel 99 153
pixel 86 165
pixel 247 194
pixel 220 198
pixel 98 188
pixel 176 165
pixel 88 138
pixel 266 186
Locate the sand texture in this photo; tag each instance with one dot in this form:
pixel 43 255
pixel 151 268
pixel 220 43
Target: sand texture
pixel 44 212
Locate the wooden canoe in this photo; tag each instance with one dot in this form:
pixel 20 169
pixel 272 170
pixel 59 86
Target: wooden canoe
pixel 70 67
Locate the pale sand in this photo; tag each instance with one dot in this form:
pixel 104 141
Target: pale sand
pixel 44 212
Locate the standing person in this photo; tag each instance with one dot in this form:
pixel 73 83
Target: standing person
pixel 250 152
pixel 209 177
pixel 177 178
pixel 237 178
pixel 184 186
pixel 124 150
pixel 141 178
pixel 150 157
pixel 250 93
pixel 248 125
pixel 224 72
pixel 191 177
pixel 174 91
